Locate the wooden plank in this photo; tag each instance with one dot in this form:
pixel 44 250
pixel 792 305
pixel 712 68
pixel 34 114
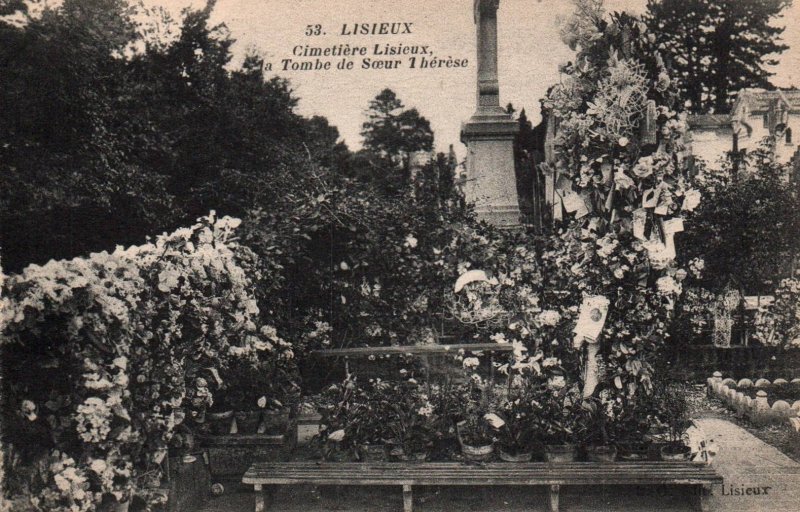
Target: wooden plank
pixel 413 350
pixel 703 498
pixel 243 439
pixel 577 474
pixel 460 481
pixel 259 498
pixel 489 474
pixel 554 492
pixel 349 469
pixel 408 499
pixel 500 466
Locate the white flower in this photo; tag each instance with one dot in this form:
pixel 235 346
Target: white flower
pixel 494 420
pixel 336 436
pixel 548 317
pixel 623 141
pixel 28 409
pixel 425 410
pixel 411 242
pixel 623 181
pixel 498 338
pixel 344 266
pixel 167 280
pixel 262 402
pixel 667 285
pixel 691 199
pixel 551 361
pixel 471 362
pixel 98 466
pixel 62 483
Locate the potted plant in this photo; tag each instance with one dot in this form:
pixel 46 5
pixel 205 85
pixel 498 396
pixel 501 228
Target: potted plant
pixel 220 416
pixel 674 410
pixel 339 407
pixel 446 401
pixel 630 428
pixel 256 394
pixel 565 424
pixel 368 425
pixel 601 413
pixel 475 433
pixel 521 413
pixel 411 420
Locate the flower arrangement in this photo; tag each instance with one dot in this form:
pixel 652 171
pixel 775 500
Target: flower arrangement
pixel 623 192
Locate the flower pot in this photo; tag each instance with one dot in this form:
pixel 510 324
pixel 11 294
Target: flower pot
pixel 671 452
pixel 511 456
pixel 220 422
pixel 471 452
pixel 560 452
pixel 276 421
pixel 632 451
pixel 332 452
pixel 372 453
pixel 398 454
pixel 601 453
pixel 247 421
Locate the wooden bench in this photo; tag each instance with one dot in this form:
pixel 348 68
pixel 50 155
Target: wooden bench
pixel 555 476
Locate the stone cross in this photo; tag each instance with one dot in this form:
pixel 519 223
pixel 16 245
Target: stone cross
pixel 485 13
pixel 489 133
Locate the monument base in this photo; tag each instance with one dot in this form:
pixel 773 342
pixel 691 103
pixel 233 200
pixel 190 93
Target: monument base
pixel 491 181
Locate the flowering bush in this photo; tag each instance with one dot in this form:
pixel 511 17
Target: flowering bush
pixel 103 356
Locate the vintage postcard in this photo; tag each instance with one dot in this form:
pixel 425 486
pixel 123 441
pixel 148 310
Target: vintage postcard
pixel 375 255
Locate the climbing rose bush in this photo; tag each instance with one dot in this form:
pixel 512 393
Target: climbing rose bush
pixel 103 356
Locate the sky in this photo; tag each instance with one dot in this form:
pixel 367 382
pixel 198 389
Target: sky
pixel 529 47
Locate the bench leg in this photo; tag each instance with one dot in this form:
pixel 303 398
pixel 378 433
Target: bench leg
pixel 554 491
pixel 703 498
pixel 263 497
pixel 408 499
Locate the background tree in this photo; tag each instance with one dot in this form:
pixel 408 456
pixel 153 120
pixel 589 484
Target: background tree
pixel 717 47
pixel 144 134
pixel 391 133
pixel 746 230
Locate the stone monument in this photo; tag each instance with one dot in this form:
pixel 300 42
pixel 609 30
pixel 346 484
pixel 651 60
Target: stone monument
pixel 489 133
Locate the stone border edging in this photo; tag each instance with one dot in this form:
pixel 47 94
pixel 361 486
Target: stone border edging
pixel 758 410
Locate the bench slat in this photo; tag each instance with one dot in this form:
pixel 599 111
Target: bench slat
pixel 489 474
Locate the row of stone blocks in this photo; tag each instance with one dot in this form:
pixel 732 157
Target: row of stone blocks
pixel 758 410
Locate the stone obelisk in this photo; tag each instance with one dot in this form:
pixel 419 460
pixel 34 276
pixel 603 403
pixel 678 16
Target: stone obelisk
pixel 489 133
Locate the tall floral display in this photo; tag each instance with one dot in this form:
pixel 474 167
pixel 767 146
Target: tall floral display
pixel 621 193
